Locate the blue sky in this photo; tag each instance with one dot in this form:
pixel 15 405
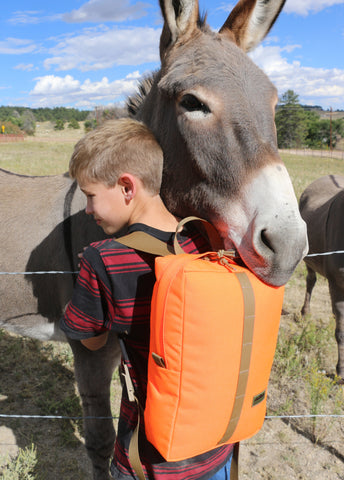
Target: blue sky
pixel 85 53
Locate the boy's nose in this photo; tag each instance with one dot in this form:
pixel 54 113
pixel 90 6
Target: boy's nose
pixel 89 209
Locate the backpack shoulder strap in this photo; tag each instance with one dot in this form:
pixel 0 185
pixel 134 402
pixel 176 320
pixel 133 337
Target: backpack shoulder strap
pixel 144 242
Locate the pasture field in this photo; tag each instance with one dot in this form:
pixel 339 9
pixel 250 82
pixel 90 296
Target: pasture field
pixel 47 153
pixel 37 377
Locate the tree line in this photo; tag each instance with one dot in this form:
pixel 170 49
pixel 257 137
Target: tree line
pixel 20 120
pixel 297 126
pixel 301 126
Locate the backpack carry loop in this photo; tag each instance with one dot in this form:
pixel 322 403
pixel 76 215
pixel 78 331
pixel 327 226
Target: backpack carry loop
pixel 212 234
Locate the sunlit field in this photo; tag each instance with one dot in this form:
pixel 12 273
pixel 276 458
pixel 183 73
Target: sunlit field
pixel 37 377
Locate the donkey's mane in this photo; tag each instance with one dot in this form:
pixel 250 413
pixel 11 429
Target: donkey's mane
pixel 135 101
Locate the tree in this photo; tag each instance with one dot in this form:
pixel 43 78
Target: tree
pixel 28 122
pixel 337 130
pixel 290 121
pixel 59 125
pixel 323 132
pixel 11 128
pixel 90 123
pixel 73 124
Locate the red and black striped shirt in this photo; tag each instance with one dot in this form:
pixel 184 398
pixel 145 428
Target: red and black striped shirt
pixel 113 292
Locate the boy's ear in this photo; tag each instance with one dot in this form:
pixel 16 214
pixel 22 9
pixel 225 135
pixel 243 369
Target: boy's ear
pixel 128 184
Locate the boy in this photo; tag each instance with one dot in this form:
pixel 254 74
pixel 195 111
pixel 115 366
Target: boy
pixel 119 169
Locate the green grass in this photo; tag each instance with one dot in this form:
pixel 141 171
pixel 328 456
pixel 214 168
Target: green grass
pixel 39 376
pixel 39 158
pixel 50 158
pixel 22 467
pixel 303 169
pixel 39 380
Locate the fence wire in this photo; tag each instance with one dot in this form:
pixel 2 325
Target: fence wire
pixel 58 272
pixel 66 417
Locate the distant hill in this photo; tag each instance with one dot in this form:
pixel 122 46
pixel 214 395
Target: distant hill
pixel 336 114
pixel 45 114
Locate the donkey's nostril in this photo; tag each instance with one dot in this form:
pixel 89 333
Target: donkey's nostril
pixel 265 239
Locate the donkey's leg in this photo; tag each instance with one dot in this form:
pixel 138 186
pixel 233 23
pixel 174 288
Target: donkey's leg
pixel 337 298
pixel 310 282
pixel 93 373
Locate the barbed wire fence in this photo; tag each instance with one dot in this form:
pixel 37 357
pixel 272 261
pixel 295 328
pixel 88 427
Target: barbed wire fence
pixel 67 272
pixel 116 417
pixel 323 153
pixel 63 417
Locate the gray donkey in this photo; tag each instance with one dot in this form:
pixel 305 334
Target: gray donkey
pixel 212 110
pixel 322 207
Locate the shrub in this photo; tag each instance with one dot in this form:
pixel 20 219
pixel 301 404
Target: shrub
pixel 90 125
pixel 11 128
pixel 28 122
pixel 74 124
pixel 59 125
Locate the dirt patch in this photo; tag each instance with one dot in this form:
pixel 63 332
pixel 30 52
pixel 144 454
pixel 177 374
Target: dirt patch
pixel 282 451
pixel 38 378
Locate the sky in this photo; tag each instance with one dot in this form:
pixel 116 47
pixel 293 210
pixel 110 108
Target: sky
pixel 83 54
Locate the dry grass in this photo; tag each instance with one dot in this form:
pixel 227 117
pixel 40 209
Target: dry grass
pixel 38 377
pixel 305 169
pixel 47 153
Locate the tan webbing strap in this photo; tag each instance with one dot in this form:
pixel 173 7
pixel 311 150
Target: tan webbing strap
pixel 134 454
pixel 249 317
pixel 235 463
pixel 146 243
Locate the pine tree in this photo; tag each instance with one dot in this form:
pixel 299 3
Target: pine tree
pixel 290 121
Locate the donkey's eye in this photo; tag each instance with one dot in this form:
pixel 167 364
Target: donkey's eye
pixel 191 104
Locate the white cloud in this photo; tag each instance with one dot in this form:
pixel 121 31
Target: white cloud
pixel 51 85
pixel 16 46
pixel 29 67
pixel 313 85
pixel 226 7
pixel 106 11
pixel 95 50
pixel 52 90
pixel 300 7
pixel 304 7
pixel 31 18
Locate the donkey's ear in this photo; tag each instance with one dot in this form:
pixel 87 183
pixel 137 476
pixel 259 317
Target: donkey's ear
pixel 180 19
pixel 251 20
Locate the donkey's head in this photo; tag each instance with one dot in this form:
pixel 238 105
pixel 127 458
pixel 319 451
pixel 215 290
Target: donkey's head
pixel 212 110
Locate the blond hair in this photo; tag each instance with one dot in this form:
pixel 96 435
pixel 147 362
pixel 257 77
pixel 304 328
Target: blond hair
pixel 118 146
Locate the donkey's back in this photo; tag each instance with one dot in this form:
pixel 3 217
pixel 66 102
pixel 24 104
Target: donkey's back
pixel 43 228
pixel 320 203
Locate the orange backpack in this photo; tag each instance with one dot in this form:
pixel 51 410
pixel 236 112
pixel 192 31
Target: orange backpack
pixel 214 328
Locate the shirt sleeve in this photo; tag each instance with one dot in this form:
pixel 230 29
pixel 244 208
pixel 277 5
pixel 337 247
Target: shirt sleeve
pixel 88 312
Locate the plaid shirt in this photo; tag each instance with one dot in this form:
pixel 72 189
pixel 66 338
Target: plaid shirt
pixel 113 292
